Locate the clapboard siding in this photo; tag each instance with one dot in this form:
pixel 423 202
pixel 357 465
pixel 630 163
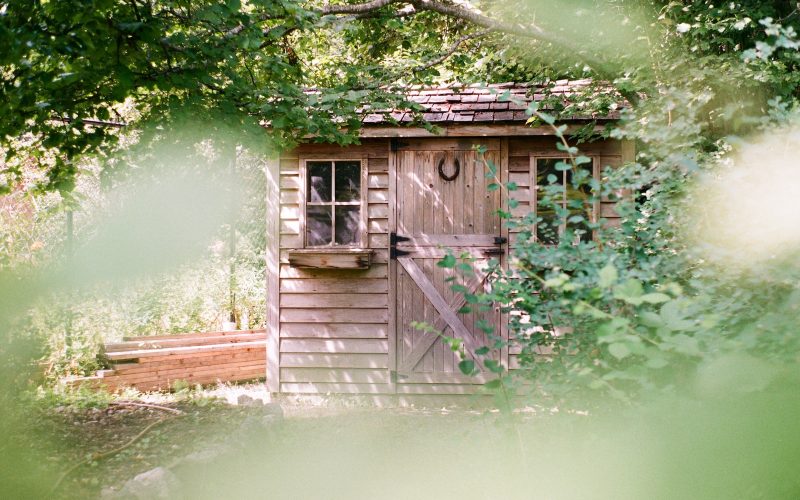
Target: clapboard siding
pixel 374 271
pixel 324 388
pixel 341 346
pixel 335 330
pixel 333 315
pixel 346 375
pixel 370 148
pixel 525 146
pixel 341 300
pixel 378 164
pixel 317 360
pixel 378 195
pixel 334 285
pixel 334 323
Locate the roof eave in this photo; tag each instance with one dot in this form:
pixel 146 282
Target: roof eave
pixel 472 129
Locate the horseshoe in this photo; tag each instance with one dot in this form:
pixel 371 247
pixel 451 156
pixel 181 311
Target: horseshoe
pixel 449 177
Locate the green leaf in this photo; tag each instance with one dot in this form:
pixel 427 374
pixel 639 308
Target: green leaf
pixel 685 344
pixel 454 343
pixel 493 384
pixel 650 319
pixel 655 298
pixel 610 330
pixel 656 363
pixel 481 351
pixel 674 318
pixel 548 119
pixel 630 291
pixel 607 276
pixel 447 261
pixel 467 366
pixel 493 366
pixel 619 350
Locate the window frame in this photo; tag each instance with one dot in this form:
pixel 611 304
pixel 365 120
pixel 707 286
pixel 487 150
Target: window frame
pixel 534 187
pixel 362 203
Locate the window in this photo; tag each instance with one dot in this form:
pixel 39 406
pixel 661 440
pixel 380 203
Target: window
pixel 334 203
pixel 563 199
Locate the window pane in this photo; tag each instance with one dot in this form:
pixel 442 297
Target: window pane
pixel 579 199
pixel 320 174
pixel 547 228
pixel 348 220
pixel 583 191
pixel 348 181
pixel 318 225
pixel 545 168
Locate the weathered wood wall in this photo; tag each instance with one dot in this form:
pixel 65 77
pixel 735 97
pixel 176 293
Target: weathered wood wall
pixel 334 325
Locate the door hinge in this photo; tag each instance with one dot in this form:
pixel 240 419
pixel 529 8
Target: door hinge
pixel 395 253
pixel 500 240
pixel 394 239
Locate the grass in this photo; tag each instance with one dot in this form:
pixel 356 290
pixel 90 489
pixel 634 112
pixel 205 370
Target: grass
pixel 745 446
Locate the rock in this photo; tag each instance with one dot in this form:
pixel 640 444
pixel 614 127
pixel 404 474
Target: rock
pixel 245 400
pixel 155 483
pixel 273 410
pixel 205 456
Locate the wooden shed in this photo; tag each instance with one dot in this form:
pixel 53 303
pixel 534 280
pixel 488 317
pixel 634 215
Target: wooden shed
pixel 352 257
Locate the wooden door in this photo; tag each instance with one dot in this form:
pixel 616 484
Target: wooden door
pixel 436 213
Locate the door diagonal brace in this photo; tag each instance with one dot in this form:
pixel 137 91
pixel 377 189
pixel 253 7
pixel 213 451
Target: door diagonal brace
pixel 447 316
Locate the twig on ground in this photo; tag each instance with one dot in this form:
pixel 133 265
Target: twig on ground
pixel 147 405
pixel 106 454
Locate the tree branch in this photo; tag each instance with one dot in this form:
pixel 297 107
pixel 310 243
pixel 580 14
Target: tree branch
pixel 603 68
pixel 452 50
pixel 358 8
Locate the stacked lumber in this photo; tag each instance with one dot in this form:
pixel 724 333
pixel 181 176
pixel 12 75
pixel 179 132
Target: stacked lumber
pixel 157 362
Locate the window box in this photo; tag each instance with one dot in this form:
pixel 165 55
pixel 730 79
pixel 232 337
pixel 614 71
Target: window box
pixel 331 258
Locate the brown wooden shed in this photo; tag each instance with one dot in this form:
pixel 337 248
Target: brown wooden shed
pixel 351 259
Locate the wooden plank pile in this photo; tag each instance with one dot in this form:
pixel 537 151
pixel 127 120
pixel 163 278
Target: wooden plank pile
pixel 157 362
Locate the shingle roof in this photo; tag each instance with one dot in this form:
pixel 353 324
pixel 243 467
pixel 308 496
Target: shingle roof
pixel 482 103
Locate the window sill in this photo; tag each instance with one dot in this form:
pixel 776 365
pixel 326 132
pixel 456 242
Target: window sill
pixel 331 258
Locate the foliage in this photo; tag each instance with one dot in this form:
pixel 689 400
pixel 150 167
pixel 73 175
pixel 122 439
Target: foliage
pixel 641 307
pixel 248 62
pixel 72 324
pixel 695 76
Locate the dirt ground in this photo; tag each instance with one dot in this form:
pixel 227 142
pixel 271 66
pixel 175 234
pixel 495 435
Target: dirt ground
pixel 88 448
pixel 74 435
